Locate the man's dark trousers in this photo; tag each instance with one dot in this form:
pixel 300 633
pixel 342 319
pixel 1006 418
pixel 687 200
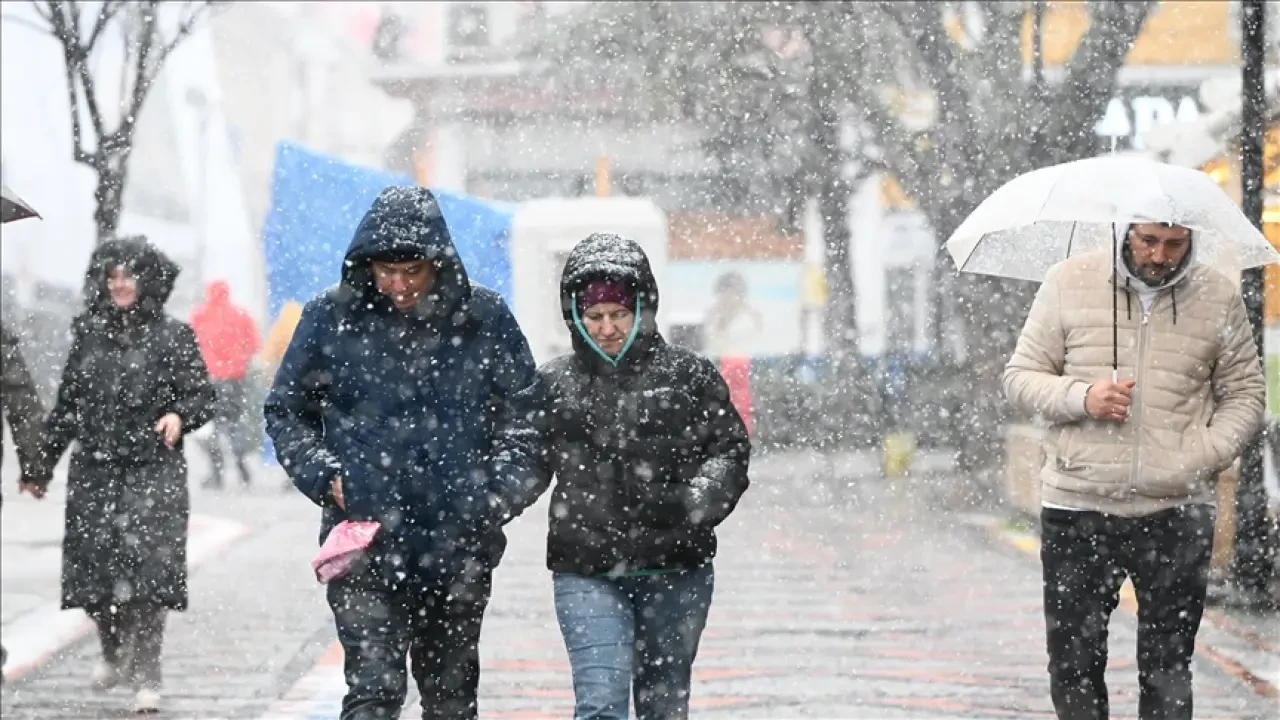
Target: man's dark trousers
pixel 1086 557
pixel 437 627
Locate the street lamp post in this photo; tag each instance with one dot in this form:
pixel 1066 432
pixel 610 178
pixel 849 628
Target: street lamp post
pixel 1251 566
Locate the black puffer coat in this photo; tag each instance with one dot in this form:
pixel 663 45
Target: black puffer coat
pixel 649 454
pixel 127 500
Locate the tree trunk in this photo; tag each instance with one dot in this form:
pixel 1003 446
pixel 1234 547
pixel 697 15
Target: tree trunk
pixel 841 321
pixel 833 206
pixel 992 311
pixel 109 198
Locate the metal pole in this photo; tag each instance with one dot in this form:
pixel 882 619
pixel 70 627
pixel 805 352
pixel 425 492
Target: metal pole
pixel 1252 564
pixel 1037 53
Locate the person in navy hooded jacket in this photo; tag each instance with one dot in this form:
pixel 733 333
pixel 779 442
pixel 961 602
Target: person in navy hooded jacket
pixel 406 397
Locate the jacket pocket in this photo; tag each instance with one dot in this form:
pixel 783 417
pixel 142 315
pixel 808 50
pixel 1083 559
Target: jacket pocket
pixel 1201 451
pixel 1207 452
pixel 369 488
pixel 1177 473
pixel 1066 456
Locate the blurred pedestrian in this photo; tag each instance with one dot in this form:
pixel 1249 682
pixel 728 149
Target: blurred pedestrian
pixel 733 326
pixel 134 385
pixel 20 406
pixel 649 456
pixel 1144 361
pixel 228 341
pixel 21 409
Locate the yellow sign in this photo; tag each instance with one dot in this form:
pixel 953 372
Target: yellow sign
pixel 814 286
pixel 892 196
pixel 1176 33
pixel 1271 274
pixel 1225 173
pixel 424 162
pixel 281 333
pixel 603 188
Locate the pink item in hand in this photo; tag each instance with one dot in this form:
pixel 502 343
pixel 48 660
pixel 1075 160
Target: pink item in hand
pixel 345 545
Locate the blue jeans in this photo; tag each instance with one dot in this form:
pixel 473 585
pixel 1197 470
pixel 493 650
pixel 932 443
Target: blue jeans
pixel 622 629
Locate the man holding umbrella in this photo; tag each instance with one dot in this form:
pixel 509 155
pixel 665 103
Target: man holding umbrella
pixel 1142 358
pixel 19 404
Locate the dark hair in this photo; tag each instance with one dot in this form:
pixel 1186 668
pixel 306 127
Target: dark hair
pixel 731 280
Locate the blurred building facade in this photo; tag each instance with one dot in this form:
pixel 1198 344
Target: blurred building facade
pixel 181 186
pixel 199 184
pixel 300 71
pixel 490 124
pixel 485 123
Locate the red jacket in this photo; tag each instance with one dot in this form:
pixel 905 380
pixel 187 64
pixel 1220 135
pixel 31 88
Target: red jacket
pixel 227 335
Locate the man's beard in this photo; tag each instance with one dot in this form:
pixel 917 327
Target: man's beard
pixel 1142 275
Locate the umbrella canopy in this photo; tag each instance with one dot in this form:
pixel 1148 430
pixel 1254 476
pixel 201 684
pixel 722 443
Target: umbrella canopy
pixel 12 207
pixel 1043 217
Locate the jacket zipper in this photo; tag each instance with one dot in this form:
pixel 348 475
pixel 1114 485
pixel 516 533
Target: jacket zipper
pixel 1136 406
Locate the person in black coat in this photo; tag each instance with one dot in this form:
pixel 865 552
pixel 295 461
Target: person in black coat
pixel 21 407
pixel 133 386
pixel 22 411
pixel 407 397
pixel 649 456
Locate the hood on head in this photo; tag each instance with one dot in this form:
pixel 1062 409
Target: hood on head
pixel 218 291
pixel 607 257
pixel 154 272
pixel 1126 273
pixel 610 258
pixel 405 222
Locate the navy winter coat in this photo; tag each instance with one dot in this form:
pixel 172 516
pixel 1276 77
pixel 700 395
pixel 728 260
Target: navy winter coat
pixel 425 415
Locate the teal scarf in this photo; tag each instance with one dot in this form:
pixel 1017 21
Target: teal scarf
pixel 631 338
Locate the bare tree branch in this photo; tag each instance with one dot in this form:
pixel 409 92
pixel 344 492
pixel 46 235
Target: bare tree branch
pixel 1091 74
pixel 1002 46
pixel 61 31
pixel 198 10
pixel 150 61
pixel 25 23
pixel 135 94
pixel 75 52
pixel 45 10
pixel 924 24
pixel 941 66
pixel 144 55
pixel 998 62
pixel 105 13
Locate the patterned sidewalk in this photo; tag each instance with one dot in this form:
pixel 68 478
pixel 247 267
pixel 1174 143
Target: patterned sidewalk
pixel 839 595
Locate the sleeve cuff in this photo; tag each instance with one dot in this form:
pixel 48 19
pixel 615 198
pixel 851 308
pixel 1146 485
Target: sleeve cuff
pixel 1076 400
pixel 314 481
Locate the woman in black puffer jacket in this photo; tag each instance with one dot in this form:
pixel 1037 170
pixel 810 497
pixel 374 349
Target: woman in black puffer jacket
pixel 649 456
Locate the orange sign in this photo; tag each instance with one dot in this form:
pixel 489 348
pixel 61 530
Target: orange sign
pixel 1176 33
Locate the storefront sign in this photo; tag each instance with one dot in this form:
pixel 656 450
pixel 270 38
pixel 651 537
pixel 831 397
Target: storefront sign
pixel 1132 115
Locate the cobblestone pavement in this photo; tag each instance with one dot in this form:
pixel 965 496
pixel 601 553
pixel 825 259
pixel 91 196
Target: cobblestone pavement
pixel 839 595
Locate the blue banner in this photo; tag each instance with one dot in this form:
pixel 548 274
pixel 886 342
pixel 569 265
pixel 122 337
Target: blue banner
pixel 318 200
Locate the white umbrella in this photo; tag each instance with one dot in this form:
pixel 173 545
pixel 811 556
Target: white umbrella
pixel 12 207
pixel 1043 217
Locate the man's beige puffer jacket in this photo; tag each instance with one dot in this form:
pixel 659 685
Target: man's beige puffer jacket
pixel 1199 396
